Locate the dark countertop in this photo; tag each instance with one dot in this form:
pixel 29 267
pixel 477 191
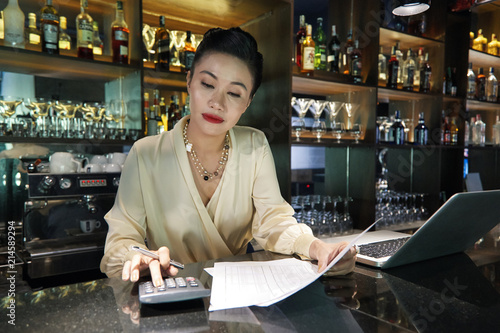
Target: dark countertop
pixel 457 293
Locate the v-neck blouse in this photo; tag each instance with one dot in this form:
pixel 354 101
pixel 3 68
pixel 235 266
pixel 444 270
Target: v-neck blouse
pixel 158 202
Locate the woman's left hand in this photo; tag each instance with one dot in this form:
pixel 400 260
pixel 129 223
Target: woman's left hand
pixel 326 252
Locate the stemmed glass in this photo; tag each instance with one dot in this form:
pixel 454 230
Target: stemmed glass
pixel 298 126
pixel 177 39
pixel 333 109
pixel 408 124
pixel 350 109
pixel 357 131
pixel 423 212
pixel 9 106
pixel 338 129
pixel 304 105
pixel 39 109
pixel 319 129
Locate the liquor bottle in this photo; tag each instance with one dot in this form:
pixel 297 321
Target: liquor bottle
pixel 177 112
pixel 356 63
pixel 467 129
pixel 13 25
pixel 49 25
pixel 32 34
pixel 320 46
pixel 96 39
pixel 84 32
pixel 151 125
pixel 425 75
pixel 481 85
pixel 382 66
pixel 187 53
pixel 419 61
pixel 162 47
pixel 453 132
pixel 146 111
pixel 480 42
pixel 446 131
pixel 496 131
pixel 64 38
pixel 471 39
pixel 154 120
pixel 349 48
pixel 308 52
pixel 171 112
pixel 479 132
pixel 163 115
pixel 393 70
pixel 2 32
pixel 334 52
pixel 421 131
pixel 471 83
pixel 299 40
pixel 397 130
pixel 399 56
pixel 492 87
pixel 447 82
pixel 493 45
pixel 454 86
pixel 409 71
pixel 119 36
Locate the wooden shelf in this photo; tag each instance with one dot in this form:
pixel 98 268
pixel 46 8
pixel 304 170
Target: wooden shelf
pixel 324 83
pixel 485 106
pixel 163 80
pixel 484 60
pixel 389 38
pixel 403 95
pixel 31 62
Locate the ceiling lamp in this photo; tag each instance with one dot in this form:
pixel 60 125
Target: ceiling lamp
pixel 411 7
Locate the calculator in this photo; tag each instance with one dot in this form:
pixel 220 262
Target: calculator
pixel 173 290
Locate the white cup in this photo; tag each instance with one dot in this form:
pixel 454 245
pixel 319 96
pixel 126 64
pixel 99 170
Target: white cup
pixel 62 162
pixel 116 158
pixel 98 159
pixel 93 168
pixel 89 225
pixel 111 167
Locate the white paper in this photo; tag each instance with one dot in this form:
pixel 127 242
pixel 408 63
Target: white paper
pixel 262 283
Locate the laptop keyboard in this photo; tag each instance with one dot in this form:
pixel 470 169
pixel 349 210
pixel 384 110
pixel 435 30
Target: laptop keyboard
pixel 382 249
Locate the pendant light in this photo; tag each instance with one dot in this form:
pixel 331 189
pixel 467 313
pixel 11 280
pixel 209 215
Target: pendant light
pixel 410 7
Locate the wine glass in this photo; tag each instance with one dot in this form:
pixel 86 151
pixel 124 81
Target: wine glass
pixel 350 109
pixel 357 131
pixel 304 105
pixel 338 129
pixel 333 109
pixel 298 126
pixel 39 109
pixel 9 106
pixel 148 38
pixel 177 39
pixel 318 106
pixel 319 129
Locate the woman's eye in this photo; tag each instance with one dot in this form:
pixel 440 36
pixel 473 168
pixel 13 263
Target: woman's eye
pixel 206 85
pixel 234 94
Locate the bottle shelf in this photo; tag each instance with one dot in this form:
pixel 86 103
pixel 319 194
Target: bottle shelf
pixel 403 95
pixel 60 66
pixel 65 141
pixel 389 38
pixel 480 105
pixel 484 60
pixel 324 83
pixel 162 79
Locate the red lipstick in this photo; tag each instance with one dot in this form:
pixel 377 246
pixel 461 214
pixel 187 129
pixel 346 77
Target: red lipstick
pixel 211 118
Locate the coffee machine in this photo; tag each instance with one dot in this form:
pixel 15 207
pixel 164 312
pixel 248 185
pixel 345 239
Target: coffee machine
pixel 64 230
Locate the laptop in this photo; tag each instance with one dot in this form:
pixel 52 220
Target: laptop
pixel 453 228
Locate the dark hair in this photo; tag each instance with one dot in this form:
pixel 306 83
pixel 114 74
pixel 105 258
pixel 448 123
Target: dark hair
pixel 237 43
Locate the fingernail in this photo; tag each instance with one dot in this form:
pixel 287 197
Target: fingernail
pixel 135 276
pixel 159 283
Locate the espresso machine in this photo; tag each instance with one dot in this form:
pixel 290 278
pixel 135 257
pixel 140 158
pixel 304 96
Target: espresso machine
pixel 64 230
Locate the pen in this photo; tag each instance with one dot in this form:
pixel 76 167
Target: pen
pixel 155 256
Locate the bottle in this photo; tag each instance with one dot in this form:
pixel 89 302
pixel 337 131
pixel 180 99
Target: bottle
pixel 146 111
pixel 349 48
pixel 177 112
pixel 399 56
pixel 187 53
pixel 471 39
pixel 382 66
pixel 454 87
pixel 13 25
pixel 320 46
pixel 96 40
pixel 453 132
pixel 119 36
pixel 299 40
pixel 151 124
pixel 419 61
pixel 162 47
pixel 493 45
pixel 421 131
pixel 356 63
pixel 84 32
pixel 154 120
pixel 425 75
pixel 447 82
pixel 467 129
pixel 64 38
pixel 446 131
pixel 481 85
pixel 163 115
pixel 409 71
pixel 32 34
pixel 49 25
pixel 308 52
pixel 393 70
pixel 171 113
pixel 492 87
pixel 479 44
pixel 479 135
pixel 397 130
pixel 334 52
pixel 471 83
pixel 472 129
pixel 2 32
pixel 496 131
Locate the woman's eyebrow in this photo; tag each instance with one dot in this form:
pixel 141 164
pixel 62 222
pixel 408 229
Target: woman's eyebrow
pixel 234 82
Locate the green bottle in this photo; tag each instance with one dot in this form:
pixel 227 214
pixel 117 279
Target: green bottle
pixel 320 47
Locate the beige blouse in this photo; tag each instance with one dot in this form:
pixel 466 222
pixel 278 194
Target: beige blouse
pixel 158 201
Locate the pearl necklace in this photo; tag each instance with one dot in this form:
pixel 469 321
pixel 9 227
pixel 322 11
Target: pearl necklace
pixel 201 170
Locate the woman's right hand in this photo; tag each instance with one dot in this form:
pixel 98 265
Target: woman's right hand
pixel 132 269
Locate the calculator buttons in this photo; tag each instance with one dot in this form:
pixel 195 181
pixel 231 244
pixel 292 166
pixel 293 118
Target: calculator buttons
pixel 181 283
pixel 173 290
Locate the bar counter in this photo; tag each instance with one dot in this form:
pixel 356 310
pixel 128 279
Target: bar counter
pixel 457 293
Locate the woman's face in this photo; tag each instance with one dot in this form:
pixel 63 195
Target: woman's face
pixel 219 92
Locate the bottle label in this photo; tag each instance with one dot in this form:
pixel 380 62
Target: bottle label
pixel 349 50
pixel 410 77
pixel 50 35
pixel 189 57
pixel 308 58
pixel 356 67
pixel 123 50
pixel 85 33
pixel 49 17
pixel 331 58
pixel 64 45
pixel 121 35
pixel 163 46
pixel 34 39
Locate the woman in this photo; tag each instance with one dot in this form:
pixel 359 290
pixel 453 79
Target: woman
pixel 205 189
